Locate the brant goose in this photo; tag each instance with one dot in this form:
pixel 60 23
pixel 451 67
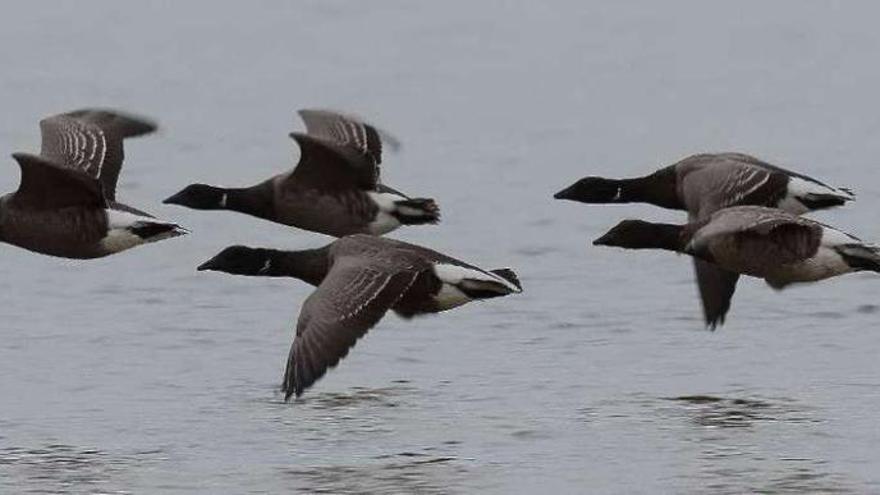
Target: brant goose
pixel 358 279
pixel 762 242
pixel 334 189
pixel 66 204
pixel 705 183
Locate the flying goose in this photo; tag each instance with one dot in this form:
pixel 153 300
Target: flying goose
pixel 66 204
pixel 334 189
pixel 705 183
pixel 762 242
pixel 358 279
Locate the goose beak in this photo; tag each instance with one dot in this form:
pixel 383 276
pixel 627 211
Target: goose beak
pixel 564 194
pixel 173 200
pixel 208 265
pixel 605 240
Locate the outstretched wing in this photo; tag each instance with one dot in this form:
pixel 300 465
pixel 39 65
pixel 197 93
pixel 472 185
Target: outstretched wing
pixel 352 298
pixel 349 131
pixel 46 185
pixel 90 141
pixel 711 185
pixel 326 166
pixel 716 290
pixel 762 234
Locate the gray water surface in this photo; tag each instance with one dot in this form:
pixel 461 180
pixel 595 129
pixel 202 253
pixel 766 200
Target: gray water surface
pixel 135 374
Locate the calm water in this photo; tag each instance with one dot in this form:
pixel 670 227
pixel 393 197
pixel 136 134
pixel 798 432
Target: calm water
pixel 135 374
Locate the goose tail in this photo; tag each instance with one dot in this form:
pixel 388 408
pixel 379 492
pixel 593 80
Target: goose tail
pixel 417 211
pixel 861 256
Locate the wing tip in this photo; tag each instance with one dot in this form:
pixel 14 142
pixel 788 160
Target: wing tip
pixel 387 139
pixel 129 124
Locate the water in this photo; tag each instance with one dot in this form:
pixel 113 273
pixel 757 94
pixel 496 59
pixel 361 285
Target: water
pixel 135 374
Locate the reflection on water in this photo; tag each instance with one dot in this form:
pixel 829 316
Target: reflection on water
pixel 65 469
pixel 404 473
pixel 707 410
pixel 359 396
pixel 732 461
pixel 571 387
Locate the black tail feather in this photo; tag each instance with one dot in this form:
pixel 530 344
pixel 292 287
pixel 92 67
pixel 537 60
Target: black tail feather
pixel 417 211
pixel 152 231
pixel 509 275
pixel 822 201
pixel 860 256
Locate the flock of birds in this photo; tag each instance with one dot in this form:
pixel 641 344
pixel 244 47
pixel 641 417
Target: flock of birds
pixel 743 219
pixel 66 206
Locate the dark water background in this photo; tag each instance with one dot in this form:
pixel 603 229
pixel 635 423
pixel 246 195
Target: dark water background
pixel 135 374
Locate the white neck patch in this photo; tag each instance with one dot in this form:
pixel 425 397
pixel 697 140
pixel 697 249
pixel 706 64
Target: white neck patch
pixel 266 267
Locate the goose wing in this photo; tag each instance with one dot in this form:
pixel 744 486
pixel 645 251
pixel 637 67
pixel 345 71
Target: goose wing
pixel 46 185
pixel 90 141
pixel 352 298
pixel 349 131
pixel 716 290
pixel 721 181
pixel 326 166
pixel 760 233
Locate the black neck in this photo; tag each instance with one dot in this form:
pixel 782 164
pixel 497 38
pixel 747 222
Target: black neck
pixel 256 200
pixel 658 189
pixel 663 236
pixel 308 265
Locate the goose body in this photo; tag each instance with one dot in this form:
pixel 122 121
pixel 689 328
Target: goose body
pixel 779 247
pixel 768 243
pixel 358 279
pixel 335 188
pixel 66 202
pixel 703 184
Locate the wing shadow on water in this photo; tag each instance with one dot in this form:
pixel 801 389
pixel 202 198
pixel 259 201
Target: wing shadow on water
pixel 744 445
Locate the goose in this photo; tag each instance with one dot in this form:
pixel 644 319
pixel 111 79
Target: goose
pixel 705 183
pixel 358 279
pixel 65 204
pixel 335 188
pixel 762 242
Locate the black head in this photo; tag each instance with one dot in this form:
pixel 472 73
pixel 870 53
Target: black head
pixel 638 234
pixel 240 260
pixel 592 190
pixel 200 197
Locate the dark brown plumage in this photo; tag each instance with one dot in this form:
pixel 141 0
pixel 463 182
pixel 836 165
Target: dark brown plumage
pixel 762 242
pixel 65 203
pixel 705 183
pixel 91 141
pixel 359 278
pixel 334 189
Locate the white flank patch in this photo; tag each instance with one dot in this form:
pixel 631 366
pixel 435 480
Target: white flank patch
pixel 801 187
pixel 454 274
pixel 450 297
pixel 384 222
pixel 827 262
pixel 833 237
pixel 798 187
pixel 790 204
pixel 118 219
pixel 119 237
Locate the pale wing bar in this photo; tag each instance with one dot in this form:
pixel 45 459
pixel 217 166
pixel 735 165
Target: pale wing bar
pixel 90 141
pixel 345 131
pixel 350 301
